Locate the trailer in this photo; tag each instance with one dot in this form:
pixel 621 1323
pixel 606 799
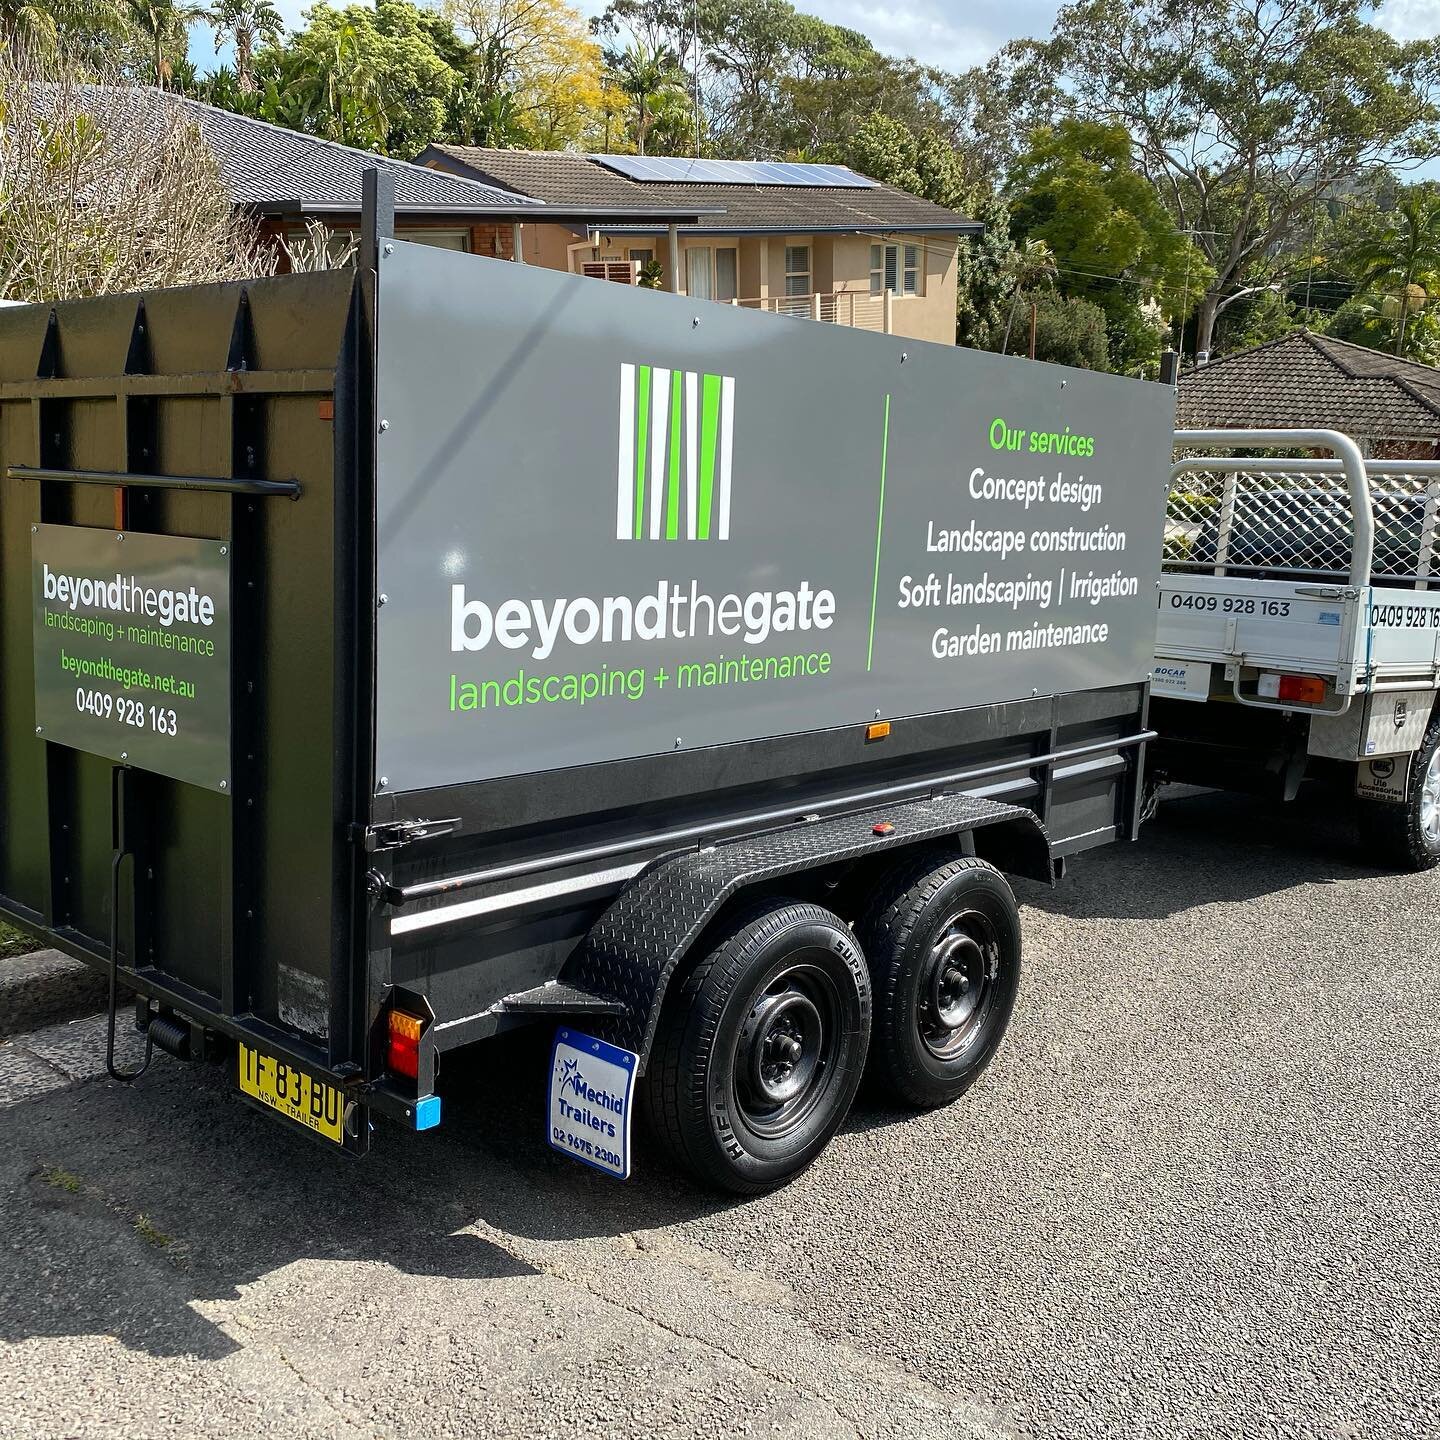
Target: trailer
pixel 1299 628
pixel 392 658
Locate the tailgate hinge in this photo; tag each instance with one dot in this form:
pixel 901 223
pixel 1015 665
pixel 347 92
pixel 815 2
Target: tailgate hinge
pixel 392 834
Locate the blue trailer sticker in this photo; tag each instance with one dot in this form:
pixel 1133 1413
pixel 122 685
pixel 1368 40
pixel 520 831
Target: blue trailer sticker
pixel 592 1085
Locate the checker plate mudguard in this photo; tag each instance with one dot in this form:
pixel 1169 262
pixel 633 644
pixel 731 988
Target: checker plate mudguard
pixel 633 948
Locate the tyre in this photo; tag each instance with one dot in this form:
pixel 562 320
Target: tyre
pixel 760 1049
pixel 942 937
pixel 1407 837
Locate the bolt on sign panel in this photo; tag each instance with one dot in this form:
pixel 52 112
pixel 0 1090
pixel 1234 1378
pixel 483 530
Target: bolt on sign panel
pixel 132 648
pixel 616 523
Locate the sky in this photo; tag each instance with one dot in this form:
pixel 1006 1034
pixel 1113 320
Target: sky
pixel 954 34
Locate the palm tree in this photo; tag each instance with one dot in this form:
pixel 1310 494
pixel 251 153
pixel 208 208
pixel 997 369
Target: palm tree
pixel 245 22
pixel 165 24
pixel 1409 247
pixel 1033 264
pixel 646 74
pixel 333 90
pixel 27 24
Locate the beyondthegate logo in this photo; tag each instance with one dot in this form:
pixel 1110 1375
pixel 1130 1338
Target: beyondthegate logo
pixel 674 463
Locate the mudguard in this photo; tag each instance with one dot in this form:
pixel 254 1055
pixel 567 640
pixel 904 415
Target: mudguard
pixel 633 949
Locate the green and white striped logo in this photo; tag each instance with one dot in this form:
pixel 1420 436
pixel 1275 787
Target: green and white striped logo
pixel 673 479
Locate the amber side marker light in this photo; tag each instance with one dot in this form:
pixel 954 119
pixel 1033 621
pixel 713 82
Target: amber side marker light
pixel 878 731
pixel 402 1055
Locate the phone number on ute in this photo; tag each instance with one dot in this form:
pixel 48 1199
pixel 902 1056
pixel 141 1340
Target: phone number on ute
pixel 120 708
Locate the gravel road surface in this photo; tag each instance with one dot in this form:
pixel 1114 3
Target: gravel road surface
pixel 1195 1196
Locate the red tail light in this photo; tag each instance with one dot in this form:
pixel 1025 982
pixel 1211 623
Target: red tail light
pixel 1292 689
pixel 1302 689
pixel 402 1054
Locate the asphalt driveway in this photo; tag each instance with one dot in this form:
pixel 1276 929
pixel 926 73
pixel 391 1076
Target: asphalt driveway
pixel 1195 1196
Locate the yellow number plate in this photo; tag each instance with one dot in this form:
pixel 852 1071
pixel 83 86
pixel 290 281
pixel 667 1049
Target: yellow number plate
pixel 292 1093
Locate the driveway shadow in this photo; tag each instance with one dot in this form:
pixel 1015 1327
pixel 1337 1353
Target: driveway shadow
pixel 125 1205
pixel 1209 846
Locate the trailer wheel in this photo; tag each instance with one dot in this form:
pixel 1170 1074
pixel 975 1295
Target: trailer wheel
pixel 942 936
pixel 761 1048
pixel 1407 837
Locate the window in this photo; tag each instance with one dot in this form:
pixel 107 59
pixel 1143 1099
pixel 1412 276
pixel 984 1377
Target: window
pixel 912 270
pixel 895 268
pixel 697 273
pixel 442 239
pixel 726 275
pixel 797 269
pixel 641 257
pixel 711 274
pixel 317 246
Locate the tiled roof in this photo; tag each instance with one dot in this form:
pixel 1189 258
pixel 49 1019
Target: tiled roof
pixel 268 168
pixel 1308 380
pixel 569 178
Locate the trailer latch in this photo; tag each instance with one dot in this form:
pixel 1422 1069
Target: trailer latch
pixel 392 834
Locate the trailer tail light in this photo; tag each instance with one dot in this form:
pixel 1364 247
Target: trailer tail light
pixel 1292 689
pixel 402 1054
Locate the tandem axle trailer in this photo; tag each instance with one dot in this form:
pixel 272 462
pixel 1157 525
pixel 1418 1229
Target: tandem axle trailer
pixel 394 658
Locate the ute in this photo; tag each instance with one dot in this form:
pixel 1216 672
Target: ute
pixel 393 658
pixel 1299 630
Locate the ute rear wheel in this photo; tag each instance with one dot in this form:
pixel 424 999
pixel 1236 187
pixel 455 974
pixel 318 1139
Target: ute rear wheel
pixel 760 1048
pixel 942 937
pixel 1407 836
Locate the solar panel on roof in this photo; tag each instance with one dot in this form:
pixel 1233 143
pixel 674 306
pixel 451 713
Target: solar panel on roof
pixel 677 170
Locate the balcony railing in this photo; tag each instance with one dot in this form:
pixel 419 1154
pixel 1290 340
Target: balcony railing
pixel 857 308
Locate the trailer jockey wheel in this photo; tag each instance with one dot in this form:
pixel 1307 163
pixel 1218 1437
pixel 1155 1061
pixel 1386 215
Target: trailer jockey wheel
pixel 942 937
pixel 760 1048
pixel 1407 836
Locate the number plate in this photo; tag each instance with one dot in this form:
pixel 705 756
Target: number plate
pixel 293 1094
pixel 591 1088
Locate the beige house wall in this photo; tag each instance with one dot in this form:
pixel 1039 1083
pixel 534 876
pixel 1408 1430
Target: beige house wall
pixel 838 263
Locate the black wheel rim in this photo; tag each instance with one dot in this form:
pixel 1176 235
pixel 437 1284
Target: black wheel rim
pixel 957 983
pixel 785 1055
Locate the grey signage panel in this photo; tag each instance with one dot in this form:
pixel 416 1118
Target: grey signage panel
pixel 132 648
pixel 615 522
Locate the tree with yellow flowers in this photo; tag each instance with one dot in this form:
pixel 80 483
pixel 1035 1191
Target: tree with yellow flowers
pixel 540 55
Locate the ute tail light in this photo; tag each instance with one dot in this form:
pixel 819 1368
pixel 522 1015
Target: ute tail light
pixel 402 1052
pixel 1292 689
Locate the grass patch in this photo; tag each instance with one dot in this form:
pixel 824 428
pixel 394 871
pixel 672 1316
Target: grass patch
pixel 62 1180
pixel 147 1231
pixel 12 942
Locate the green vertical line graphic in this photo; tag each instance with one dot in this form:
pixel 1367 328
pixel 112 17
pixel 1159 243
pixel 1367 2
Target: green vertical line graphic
pixel 879 532
pixel 709 425
pixel 642 449
pixel 672 499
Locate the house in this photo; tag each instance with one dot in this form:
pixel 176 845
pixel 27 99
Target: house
pixel 285 179
pixel 1303 380
pixel 810 240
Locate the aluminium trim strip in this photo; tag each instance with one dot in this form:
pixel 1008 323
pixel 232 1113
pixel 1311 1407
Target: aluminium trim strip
pixel 513 899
